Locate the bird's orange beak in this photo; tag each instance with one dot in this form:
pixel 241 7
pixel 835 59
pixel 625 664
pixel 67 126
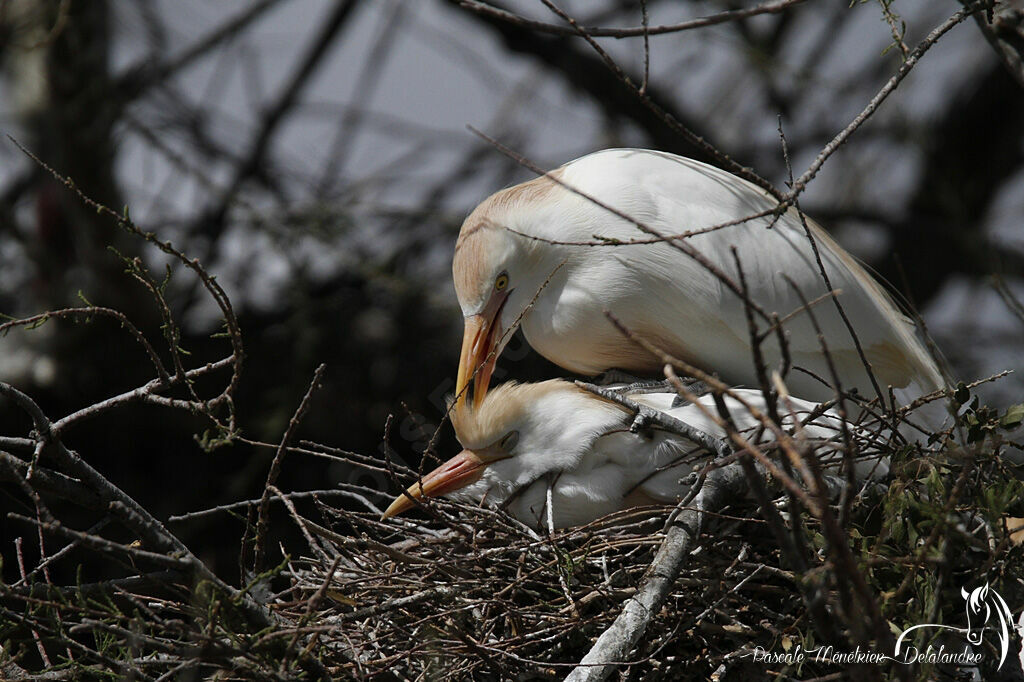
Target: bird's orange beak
pixel 458 472
pixel 481 341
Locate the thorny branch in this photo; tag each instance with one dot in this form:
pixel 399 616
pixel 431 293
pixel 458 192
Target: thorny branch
pixel 209 283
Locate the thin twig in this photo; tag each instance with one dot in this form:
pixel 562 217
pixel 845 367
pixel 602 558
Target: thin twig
pixel 630 32
pixel 275 468
pixel 915 55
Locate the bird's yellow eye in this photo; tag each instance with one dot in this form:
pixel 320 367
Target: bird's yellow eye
pixel 510 440
pixel 501 281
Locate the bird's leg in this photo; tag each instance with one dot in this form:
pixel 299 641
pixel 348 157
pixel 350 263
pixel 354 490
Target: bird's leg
pixel 644 420
pixel 646 417
pixel 697 388
pixel 652 386
pixel 623 382
pixel 516 493
pixel 616 376
pixel 689 480
pixel 551 480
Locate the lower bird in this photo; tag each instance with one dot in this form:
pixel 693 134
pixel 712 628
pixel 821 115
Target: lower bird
pixel 523 438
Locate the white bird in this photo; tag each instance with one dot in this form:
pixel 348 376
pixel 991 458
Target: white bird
pixel 542 242
pixel 520 433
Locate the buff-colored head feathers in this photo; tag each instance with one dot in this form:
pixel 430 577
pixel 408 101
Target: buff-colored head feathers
pixel 504 406
pixel 479 244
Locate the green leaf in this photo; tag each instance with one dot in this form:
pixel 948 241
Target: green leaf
pixel 1013 417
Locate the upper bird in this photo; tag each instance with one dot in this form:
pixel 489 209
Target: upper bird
pixel 561 242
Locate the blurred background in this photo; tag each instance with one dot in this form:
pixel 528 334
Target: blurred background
pixel 315 157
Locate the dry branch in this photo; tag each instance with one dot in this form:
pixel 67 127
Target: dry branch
pixel 720 487
pixel 629 32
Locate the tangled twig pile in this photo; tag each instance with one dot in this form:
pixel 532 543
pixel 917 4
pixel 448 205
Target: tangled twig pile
pixel 475 594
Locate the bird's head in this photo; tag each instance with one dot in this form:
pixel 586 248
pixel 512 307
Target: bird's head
pixel 498 271
pixel 517 434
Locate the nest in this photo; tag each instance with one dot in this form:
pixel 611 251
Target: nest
pixel 474 594
pixel 471 593
pixel 776 564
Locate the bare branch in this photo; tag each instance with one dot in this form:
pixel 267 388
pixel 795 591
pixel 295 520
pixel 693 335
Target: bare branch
pixel 915 55
pixel 720 487
pixel 631 32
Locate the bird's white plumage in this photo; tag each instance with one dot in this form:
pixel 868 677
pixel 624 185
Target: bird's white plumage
pixel 580 444
pixel 666 295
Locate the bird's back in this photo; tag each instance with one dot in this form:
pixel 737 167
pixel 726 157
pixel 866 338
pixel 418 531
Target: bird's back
pixel 667 293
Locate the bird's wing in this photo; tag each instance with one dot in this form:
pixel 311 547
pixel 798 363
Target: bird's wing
pixel 822 434
pixel 645 465
pixel 673 195
pixel 578 497
pixel 677 458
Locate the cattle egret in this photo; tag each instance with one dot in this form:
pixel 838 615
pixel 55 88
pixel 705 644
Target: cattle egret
pixel 546 242
pixel 521 433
